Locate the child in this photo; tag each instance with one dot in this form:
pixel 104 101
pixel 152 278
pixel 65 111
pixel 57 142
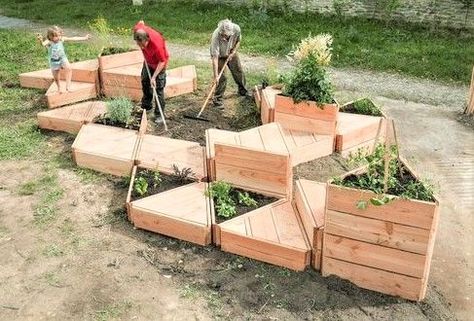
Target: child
pixel 56 54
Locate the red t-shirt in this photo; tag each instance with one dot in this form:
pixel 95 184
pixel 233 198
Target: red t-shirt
pixel 155 51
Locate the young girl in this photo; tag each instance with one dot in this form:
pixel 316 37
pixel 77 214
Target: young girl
pixel 56 54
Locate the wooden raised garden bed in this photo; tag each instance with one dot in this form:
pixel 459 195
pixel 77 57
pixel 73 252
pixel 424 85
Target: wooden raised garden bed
pixel 267 110
pixel 306 116
pixel 358 131
pixel 310 201
pixel 71 118
pixel 385 248
pixel 106 149
pixel 272 234
pixel 301 146
pixel 79 91
pixel 82 71
pixel 162 153
pixel 183 212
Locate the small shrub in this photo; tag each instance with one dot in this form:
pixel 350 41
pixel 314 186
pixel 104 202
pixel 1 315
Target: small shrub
pixel 183 175
pixel 309 80
pixel 220 192
pixel 119 110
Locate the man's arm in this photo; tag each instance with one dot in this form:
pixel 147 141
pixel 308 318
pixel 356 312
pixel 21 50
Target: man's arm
pixel 158 69
pixel 215 67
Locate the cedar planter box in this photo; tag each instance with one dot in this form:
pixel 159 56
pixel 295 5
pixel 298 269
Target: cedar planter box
pixel 273 234
pixel 357 131
pixel 310 201
pixel 385 248
pixel 106 149
pixel 267 110
pixel 71 118
pixel 306 116
pixel 126 80
pixel 82 71
pixel 161 153
pixel 79 91
pixel 183 212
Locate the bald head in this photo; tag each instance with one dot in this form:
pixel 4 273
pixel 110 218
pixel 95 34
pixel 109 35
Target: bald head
pixel 141 37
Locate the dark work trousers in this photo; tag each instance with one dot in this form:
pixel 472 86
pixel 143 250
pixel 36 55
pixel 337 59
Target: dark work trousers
pixel 147 99
pixel 238 75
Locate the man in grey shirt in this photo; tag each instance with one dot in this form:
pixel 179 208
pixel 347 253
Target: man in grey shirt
pixel 224 44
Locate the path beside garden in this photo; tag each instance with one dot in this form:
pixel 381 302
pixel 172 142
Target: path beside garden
pixel 437 145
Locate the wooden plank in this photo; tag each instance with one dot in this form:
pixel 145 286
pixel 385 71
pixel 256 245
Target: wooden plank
pixel 251 139
pixel 306 109
pixel 272 138
pixel 128 200
pixel 79 91
pixel 178 86
pixel 292 122
pixel 291 258
pixel 254 159
pixel 123 77
pixel 262 226
pixel 407 212
pixel 122 59
pixel 289 228
pixel 353 130
pixel 116 91
pixel 103 164
pixel 379 232
pixel 162 153
pixel 375 256
pixel 374 279
pixel 267 110
pixel 163 224
pixel 257 96
pixel 316 258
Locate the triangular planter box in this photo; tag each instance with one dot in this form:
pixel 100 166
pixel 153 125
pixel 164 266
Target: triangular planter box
pixel 161 153
pixel 82 71
pixel 106 149
pixel 126 81
pixel 79 91
pixel 71 118
pixel 384 248
pixel 183 213
pixel 355 132
pixel 272 234
pixel 310 201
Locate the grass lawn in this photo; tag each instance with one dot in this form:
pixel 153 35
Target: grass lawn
pixel 358 43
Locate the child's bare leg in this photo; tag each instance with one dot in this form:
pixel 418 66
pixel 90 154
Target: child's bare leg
pixel 56 79
pixel 68 70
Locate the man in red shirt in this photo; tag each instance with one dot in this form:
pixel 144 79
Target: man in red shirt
pixel 153 46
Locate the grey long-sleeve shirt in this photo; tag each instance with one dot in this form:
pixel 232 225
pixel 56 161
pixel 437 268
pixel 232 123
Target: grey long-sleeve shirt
pixel 221 47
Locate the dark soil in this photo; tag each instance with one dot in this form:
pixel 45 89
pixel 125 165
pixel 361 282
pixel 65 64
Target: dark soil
pixel 114 50
pixel 168 182
pixel 239 114
pixel 133 124
pixel 241 209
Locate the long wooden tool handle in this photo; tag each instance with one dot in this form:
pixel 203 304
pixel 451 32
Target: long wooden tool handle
pixel 213 88
pixel 155 96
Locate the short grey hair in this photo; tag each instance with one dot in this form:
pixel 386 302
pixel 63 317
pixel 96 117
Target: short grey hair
pixel 225 27
pixel 140 35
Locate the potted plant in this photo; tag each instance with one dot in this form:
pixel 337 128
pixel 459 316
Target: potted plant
pixel 380 226
pixel 307 102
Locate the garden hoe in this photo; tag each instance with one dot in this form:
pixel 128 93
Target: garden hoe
pixel 155 97
pixel 211 92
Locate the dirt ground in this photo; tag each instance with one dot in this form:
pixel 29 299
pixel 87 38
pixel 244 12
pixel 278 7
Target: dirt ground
pixel 89 263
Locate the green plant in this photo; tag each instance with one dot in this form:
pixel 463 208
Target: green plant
pixel 119 110
pixel 246 199
pixel 309 80
pixel 220 192
pixel 184 174
pixel 140 186
pixel 363 106
pixel 384 179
